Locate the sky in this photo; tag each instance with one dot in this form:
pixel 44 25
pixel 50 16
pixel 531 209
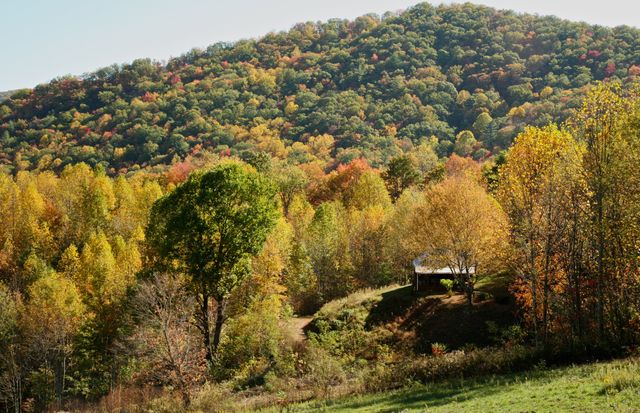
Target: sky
pixel 44 39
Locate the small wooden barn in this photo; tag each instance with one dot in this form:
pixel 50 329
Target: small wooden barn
pixel 427 278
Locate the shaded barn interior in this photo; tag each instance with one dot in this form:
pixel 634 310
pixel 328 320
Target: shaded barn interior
pixel 427 278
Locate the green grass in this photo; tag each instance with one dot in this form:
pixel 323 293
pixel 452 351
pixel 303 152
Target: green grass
pixel 599 387
pixel 355 300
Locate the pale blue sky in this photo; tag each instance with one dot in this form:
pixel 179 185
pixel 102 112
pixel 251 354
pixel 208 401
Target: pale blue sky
pixel 43 39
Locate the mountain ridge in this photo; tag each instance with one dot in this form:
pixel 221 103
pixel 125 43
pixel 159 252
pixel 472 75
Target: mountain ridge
pixel 458 78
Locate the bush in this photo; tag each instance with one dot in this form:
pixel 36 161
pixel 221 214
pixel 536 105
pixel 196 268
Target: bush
pixel 213 398
pixel 448 285
pixel 255 343
pixel 324 370
pixel 438 349
pixel 513 334
pixel 454 364
pixel 164 404
pixel 620 377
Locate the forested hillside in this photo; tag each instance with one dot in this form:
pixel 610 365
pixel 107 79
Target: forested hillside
pixel 5 95
pixel 237 229
pixel 375 87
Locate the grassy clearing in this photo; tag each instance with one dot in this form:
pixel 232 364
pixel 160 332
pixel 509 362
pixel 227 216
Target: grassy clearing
pixel 360 299
pixel 598 387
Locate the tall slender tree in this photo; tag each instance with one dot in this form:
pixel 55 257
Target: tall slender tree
pixel 208 228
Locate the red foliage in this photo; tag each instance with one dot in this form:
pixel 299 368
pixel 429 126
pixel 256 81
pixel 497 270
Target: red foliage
pixel 459 166
pixel 634 70
pixel 610 70
pixel 149 97
pixel 339 181
pixel 196 149
pixel 594 53
pixel 179 172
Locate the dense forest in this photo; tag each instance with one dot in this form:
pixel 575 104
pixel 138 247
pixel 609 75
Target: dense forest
pixel 179 288
pixel 166 228
pixel 371 88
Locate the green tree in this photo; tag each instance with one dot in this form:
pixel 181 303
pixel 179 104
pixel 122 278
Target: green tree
pixel 209 227
pixel 465 143
pixel 11 374
pixel 401 173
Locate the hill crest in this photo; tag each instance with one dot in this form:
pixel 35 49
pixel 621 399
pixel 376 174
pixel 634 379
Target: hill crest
pixel 459 78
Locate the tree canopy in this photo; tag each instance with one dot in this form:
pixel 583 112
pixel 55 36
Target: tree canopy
pixel 209 227
pixel 325 92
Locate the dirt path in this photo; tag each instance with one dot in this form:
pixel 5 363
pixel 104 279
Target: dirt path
pixel 296 327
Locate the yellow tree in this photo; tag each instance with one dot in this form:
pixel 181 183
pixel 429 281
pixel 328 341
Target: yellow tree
pixel 300 280
pixel 368 233
pixel 24 231
pixel 461 227
pixel 50 321
pixel 398 245
pixel 607 124
pixel 328 246
pixel 369 190
pixel 538 185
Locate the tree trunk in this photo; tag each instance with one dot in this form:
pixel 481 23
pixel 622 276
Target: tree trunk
pixel 469 284
pixel 534 305
pixel 575 258
pixel 203 324
pixel 600 278
pixel 545 291
pixel 186 396
pixel 59 380
pixel 222 302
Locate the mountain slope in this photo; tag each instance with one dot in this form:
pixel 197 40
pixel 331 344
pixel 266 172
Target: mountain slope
pixel 325 92
pixel 6 94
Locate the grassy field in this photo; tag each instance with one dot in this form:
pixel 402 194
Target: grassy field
pixel 599 387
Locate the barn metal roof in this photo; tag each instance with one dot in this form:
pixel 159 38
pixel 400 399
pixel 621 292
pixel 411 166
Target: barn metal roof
pixel 420 268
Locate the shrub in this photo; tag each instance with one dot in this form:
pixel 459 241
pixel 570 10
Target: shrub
pixel 448 285
pixel 324 370
pixel 455 364
pixel 255 343
pixel 513 334
pixel 620 377
pixel 438 349
pixel 164 404
pixel 213 398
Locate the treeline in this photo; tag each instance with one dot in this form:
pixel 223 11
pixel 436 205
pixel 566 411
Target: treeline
pixel 469 76
pixel 572 197
pixel 81 287
pixel 188 277
pixel 70 252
